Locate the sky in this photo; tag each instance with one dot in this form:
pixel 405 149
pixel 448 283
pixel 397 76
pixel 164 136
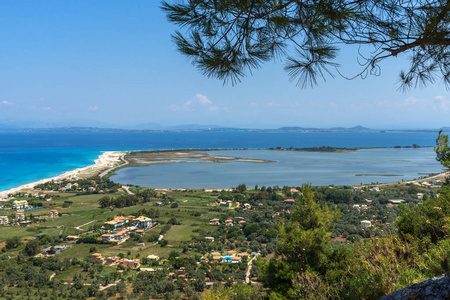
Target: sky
pixel 113 64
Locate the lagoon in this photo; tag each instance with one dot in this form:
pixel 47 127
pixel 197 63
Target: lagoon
pixel 379 165
pixel 30 156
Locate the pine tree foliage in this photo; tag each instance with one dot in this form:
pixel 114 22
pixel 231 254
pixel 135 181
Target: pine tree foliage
pixel 226 39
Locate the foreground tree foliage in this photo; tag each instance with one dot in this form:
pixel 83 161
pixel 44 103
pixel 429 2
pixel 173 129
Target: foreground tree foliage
pixel 226 39
pixel 307 265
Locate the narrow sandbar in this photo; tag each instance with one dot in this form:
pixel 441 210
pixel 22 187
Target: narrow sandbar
pixel 106 162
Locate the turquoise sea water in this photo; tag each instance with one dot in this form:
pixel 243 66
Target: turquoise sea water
pixel 27 157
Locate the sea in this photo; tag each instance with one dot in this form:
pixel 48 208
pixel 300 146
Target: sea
pixel 27 157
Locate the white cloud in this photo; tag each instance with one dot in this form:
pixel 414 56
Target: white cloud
pixel 214 108
pixel 93 108
pixel 199 102
pixel 202 99
pixel 439 97
pixel 4 102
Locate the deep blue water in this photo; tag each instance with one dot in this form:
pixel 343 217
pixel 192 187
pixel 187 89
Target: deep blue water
pixel 28 157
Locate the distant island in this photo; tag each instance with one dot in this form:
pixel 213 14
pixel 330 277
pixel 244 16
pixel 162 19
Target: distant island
pixel 204 128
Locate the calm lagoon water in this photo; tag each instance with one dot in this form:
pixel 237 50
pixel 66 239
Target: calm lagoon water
pixel 290 168
pixel 29 156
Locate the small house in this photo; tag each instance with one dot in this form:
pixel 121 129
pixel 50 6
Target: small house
pixel 19 217
pixel 228 222
pixel 214 222
pixel 366 223
pixel 19 204
pixel 53 213
pixel 143 222
pixel 4 220
pixel 72 238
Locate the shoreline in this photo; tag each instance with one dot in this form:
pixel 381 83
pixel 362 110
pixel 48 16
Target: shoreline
pixel 111 160
pixel 105 162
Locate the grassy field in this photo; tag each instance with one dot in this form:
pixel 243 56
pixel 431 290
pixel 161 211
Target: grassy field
pixel 192 216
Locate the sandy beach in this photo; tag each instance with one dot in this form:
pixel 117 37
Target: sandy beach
pixel 106 162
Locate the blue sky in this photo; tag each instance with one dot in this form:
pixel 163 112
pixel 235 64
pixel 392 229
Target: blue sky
pixel 112 63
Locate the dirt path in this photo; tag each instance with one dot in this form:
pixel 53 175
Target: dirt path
pixel 109 285
pixel 249 268
pixel 79 227
pixel 127 189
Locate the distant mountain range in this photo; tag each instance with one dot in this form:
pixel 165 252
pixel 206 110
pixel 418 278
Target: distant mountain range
pixel 352 129
pixel 149 127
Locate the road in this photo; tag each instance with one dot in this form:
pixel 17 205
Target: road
pixel 127 189
pixel 109 285
pixel 79 227
pixel 249 268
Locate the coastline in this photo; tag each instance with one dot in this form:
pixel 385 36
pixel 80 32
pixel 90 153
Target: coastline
pixel 107 161
pixel 112 160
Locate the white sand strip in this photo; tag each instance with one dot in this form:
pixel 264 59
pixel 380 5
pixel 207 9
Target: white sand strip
pixel 107 160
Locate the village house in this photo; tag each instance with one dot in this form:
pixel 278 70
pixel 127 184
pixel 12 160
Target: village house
pixel 289 201
pixel 53 213
pixel 360 207
pixel 132 263
pixel 153 257
pixel 236 259
pixel 229 222
pixel 366 223
pixel 226 204
pixel 4 220
pixel 121 236
pixel 375 188
pixel 242 223
pixel 19 217
pixel 19 204
pixel 214 222
pixel 143 222
pixel 117 221
pixel 358 189
pixel 72 238
pixel 107 237
pixel 98 257
pixel 112 260
pixel 139 232
pixel 396 201
pixel 295 191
